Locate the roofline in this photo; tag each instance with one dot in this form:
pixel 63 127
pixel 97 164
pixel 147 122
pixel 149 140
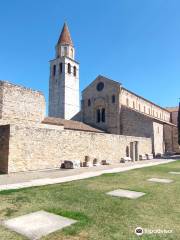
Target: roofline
pixel 172 110
pixel 149 116
pixel 101 76
pixel 145 99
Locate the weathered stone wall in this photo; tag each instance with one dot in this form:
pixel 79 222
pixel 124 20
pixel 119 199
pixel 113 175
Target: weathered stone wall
pixel 174 117
pixel 20 103
pixel 4 147
pixel 176 147
pixel 171 139
pixel 134 123
pixel 46 147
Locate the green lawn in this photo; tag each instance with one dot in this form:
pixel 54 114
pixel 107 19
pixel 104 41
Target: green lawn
pixel 102 217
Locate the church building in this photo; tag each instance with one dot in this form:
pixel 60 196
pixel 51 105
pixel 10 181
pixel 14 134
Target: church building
pixel 107 122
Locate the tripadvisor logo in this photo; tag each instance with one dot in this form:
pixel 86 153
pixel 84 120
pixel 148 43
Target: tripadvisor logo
pixel 139 231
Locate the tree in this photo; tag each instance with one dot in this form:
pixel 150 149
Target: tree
pixel 179 125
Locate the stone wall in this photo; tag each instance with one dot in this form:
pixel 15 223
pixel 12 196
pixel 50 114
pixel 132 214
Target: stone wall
pixel 171 139
pixel 133 123
pixel 4 147
pixel 20 103
pixel 46 147
pixel 174 117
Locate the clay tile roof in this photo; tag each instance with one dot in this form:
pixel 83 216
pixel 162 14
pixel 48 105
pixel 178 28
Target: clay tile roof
pixel 70 124
pixel 65 37
pixel 172 109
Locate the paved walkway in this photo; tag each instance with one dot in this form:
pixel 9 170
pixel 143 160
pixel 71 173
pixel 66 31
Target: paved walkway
pixel 40 178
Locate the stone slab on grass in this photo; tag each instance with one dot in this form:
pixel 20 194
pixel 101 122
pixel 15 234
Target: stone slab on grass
pixel 160 180
pixel 126 193
pixel 37 224
pixel 176 173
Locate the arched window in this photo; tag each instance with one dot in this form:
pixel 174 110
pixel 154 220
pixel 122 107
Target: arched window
pixel 54 70
pixel 113 98
pixel 149 111
pixel 144 109
pixel 98 115
pixel 74 70
pixel 71 53
pixel 60 68
pixel 139 107
pixel 65 51
pixel 103 115
pixel 127 102
pixel 89 102
pixel 69 68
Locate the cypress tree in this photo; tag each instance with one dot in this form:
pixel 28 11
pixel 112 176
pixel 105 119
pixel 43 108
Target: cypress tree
pixel 179 125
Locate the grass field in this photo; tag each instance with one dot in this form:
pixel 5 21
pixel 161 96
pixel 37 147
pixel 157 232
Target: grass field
pixel 102 217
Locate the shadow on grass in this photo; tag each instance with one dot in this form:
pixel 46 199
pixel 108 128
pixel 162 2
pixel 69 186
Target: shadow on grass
pixel 82 220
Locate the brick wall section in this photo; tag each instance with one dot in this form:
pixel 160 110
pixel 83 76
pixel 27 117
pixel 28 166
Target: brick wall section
pixel 46 147
pixel 4 147
pixel 21 103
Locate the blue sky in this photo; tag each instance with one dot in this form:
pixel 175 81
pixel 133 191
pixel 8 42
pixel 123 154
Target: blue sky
pixel 135 42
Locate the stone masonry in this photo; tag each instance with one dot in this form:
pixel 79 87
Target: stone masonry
pixel 18 103
pixel 47 146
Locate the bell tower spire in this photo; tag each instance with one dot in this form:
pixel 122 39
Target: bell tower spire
pixel 64 79
pixel 64 45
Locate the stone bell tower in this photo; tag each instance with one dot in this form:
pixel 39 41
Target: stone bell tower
pixel 64 79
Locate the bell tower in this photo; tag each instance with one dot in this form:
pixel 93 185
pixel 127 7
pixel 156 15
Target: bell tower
pixel 64 79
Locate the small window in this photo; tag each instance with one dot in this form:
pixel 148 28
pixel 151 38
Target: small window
pixel 60 68
pixel 139 107
pixel 103 115
pixel 89 102
pixel 127 151
pixel 133 104
pixel 113 99
pixel 127 102
pixel 54 70
pixel 74 70
pixel 144 109
pixel 100 86
pixel 69 68
pixel 98 115
pixel 149 111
